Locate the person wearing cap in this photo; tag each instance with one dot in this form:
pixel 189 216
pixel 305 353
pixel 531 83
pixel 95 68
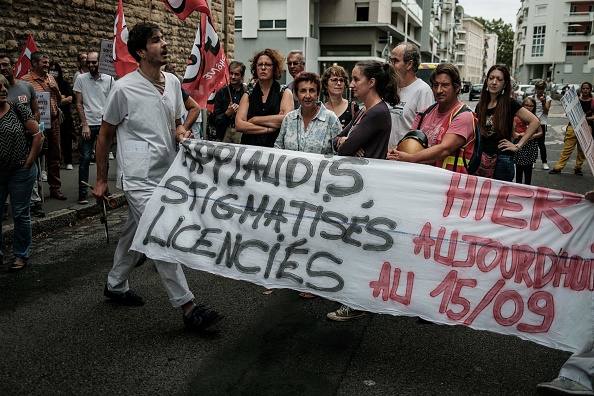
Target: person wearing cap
pixel 445 133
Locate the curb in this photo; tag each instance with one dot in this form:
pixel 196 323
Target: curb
pixel 61 218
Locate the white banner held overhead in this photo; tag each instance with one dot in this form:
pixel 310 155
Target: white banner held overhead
pixel 382 236
pixel 577 118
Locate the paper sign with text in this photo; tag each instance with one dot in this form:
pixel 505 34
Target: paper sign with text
pixel 43 101
pixel 577 118
pixel 382 236
pixel 106 58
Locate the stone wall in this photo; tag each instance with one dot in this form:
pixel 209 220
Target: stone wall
pixel 65 28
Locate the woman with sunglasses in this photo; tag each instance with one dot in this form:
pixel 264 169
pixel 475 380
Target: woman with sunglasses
pixel 334 82
pixel 261 110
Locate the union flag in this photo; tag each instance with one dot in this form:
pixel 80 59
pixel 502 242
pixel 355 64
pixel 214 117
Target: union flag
pixel 23 64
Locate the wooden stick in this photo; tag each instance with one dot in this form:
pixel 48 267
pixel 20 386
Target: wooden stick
pixel 111 202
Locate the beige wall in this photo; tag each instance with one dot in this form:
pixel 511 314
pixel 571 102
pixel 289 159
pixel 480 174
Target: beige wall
pixel 64 28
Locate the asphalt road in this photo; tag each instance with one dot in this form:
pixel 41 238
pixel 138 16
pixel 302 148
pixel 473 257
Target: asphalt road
pixel 59 336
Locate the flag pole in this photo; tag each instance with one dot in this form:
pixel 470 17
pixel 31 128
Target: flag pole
pixel 228 89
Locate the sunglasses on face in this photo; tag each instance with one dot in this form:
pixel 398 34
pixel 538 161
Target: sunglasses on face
pixel 92 62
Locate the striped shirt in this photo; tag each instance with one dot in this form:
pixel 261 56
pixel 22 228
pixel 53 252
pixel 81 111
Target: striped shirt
pixel 43 85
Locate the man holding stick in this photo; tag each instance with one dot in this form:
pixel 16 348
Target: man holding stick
pixel 145 109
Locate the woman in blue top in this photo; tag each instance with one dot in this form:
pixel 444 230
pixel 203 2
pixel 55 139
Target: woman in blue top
pixel 311 128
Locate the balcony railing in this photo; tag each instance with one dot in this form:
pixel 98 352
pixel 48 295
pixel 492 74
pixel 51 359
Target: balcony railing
pixel 577 52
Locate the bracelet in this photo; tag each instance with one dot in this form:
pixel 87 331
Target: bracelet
pixel 518 146
pixel 35 134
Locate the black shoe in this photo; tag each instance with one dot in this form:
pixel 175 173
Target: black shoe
pixel 82 198
pixel 37 210
pixel 554 171
pixel 201 318
pixel 128 298
pixel 578 172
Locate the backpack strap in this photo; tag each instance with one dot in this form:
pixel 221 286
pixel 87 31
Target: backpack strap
pixel 424 113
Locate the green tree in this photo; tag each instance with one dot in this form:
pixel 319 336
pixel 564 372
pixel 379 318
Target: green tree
pixel 505 38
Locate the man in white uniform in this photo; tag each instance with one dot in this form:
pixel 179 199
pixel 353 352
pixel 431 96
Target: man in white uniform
pixel 415 94
pixel 577 374
pixel 144 108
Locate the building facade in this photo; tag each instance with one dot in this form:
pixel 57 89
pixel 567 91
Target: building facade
pixel 554 40
pixel 470 50
pixel 63 36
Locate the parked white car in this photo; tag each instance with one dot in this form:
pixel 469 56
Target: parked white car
pixel 524 91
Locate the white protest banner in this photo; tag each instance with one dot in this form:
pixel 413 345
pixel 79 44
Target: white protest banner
pixel 382 236
pixel 577 118
pixel 43 100
pixel 106 58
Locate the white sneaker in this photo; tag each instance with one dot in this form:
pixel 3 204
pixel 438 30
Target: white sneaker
pixel 532 166
pixel 43 176
pixel 111 156
pixel 69 167
pixel 545 166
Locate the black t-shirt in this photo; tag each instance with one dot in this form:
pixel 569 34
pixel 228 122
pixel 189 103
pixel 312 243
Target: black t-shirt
pixel 491 141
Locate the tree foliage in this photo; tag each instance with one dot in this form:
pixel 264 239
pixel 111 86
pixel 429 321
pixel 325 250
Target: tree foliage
pixel 505 38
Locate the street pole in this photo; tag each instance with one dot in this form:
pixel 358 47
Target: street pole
pixel 406 23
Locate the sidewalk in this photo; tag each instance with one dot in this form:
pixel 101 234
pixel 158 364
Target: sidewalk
pixel 62 213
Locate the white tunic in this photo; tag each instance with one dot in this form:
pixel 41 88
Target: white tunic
pixel 145 122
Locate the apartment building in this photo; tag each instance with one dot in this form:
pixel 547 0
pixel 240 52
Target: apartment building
pixel 470 48
pixel 345 31
pixel 554 40
pixel 284 25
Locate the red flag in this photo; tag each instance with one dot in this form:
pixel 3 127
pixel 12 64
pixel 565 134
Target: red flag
pixel 208 69
pixel 122 60
pixel 23 65
pixel 183 8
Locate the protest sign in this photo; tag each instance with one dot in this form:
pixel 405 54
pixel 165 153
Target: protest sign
pixel 381 236
pixel 577 118
pixel 43 100
pixel 106 58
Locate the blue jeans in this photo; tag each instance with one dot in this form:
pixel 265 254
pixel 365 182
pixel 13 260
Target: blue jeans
pixel 86 149
pixel 504 169
pixel 18 184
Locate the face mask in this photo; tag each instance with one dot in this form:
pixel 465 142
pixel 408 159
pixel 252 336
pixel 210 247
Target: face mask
pixel 53 73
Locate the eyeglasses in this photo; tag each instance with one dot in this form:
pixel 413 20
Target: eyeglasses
pixel 336 80
pixel 294 63
pixel 92 62
pixel 264 65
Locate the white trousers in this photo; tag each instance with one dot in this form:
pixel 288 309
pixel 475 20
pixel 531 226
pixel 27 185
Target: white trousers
pixel 580 367
pixel 125 260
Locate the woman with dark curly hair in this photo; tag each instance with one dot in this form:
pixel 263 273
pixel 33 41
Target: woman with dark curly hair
pixel 261 110
pixel 334 82
pixel 496 110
